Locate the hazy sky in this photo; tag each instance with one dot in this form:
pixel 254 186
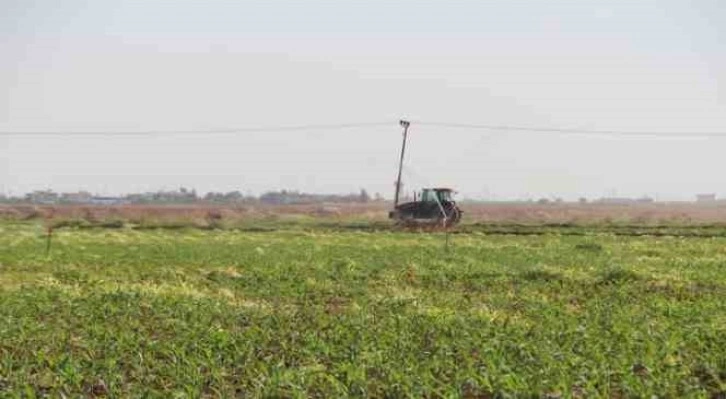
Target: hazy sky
pixel 115 65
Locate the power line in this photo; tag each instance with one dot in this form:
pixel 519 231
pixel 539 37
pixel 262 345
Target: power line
pixel 261 129
pixel 589 132
pixel 354 125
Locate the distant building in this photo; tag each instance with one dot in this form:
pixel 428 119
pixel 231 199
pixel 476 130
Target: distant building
pixel 81 197
pixel 45 197
pixel 108 201
pixel 705 197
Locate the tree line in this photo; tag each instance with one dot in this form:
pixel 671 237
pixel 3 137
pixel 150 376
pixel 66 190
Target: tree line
pixel 185 195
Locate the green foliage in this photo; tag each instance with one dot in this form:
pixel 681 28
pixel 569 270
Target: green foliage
pixel 321 313
pixel 589 246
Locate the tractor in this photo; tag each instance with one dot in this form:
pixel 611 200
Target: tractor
pixel 434 207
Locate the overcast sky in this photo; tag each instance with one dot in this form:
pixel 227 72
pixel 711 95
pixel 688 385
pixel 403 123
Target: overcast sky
pixel 129 66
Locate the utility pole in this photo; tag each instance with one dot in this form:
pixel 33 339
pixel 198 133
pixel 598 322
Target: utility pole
pixel 405 125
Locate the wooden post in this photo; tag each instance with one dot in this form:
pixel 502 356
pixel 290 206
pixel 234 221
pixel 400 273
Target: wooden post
pixel 48 240
pixel 405 125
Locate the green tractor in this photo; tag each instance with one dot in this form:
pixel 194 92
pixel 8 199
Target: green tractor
pixel 433 207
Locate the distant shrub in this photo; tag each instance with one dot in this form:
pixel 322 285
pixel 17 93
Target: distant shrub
pixel 110 224
pixel 213 219
pixel 71 223
pixel 86 224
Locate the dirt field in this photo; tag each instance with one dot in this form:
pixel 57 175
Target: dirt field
pixel 491 213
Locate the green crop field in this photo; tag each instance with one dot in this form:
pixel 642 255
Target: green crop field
pixel 319 312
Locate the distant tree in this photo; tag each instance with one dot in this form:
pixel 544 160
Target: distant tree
pixel 364 197
pixel 234 196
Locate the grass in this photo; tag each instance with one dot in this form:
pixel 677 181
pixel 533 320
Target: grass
pixel 315 312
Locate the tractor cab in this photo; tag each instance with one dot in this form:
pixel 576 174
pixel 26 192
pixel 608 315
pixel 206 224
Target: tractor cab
pixel 439 195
